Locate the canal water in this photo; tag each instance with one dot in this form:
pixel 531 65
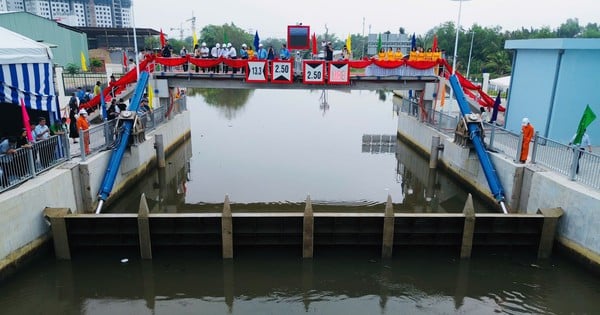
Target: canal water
pixel 268 150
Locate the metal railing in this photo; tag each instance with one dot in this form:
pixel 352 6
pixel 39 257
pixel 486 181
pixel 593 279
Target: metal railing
pixel 85 80
pixel 570 161
pixel 28 162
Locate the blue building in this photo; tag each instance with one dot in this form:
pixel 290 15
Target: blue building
pixel 552 82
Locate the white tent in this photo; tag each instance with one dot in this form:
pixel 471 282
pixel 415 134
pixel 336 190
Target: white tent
pixel 501 83
pixel 26 72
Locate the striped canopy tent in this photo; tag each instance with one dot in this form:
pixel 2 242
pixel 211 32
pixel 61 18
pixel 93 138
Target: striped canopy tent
pixel 26 73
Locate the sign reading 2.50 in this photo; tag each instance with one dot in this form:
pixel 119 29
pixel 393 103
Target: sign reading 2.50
pixel 314 72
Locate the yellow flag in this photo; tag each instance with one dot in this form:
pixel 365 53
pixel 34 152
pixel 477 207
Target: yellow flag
pixel 150 95
pixel 83 63
pixel 349 43
pixel 194 40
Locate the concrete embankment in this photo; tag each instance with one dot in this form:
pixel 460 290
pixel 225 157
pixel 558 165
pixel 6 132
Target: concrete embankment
pixel 73 185
pixel 528 187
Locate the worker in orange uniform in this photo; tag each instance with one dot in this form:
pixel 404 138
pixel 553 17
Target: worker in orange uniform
pixel 527 130
pixel 83 126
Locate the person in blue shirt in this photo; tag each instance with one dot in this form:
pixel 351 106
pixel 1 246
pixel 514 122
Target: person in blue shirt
pixel 261 54
pixel 284 53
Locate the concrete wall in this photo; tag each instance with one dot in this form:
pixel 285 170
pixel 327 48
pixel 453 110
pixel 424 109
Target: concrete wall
pixel 527 187
pixel 72 185
pixel 552 82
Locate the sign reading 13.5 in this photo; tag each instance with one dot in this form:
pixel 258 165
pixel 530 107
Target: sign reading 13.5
pixel 256 71
pixel 314 72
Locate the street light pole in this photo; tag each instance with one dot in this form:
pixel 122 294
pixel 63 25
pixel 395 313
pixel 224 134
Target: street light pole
pixel 456 37
pixel 470 51
pixel 456 43
pixel 135 45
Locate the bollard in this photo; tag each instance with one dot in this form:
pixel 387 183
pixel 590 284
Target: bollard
pixel 227 229
pixel 308 230
pixel 388 229
pixel 160 151
pixel 469 229
pixel 144 229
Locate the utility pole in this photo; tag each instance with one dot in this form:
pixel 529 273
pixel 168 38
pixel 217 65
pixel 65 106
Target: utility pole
pixel 362 54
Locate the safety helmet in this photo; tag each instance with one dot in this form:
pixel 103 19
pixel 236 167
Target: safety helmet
pixel 260 45
pixel 203 44
pixel 217 45
pixel 244 45
pixel 228 45
pixel 525 121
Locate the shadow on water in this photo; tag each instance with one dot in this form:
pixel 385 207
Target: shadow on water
pixel 267 281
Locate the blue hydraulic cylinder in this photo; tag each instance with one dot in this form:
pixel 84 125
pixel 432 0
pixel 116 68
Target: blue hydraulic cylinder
pixel 119 150
pixel 477 140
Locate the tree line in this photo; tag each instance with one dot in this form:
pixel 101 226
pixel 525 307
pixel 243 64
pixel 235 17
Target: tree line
pixel 487 52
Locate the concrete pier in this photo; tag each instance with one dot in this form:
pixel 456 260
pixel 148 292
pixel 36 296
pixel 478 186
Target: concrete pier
pixel 144 229
pixel 388 229
pixel 308 230
pixel 227 229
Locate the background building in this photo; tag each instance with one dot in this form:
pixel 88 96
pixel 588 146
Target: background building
pixel 552 82
pixel 92 13
pixel 388 40
pixel 67 43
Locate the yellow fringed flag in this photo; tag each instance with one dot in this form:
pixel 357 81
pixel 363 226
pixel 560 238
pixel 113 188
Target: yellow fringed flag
pixel 83 63
pixel 349 43
pixel 150 95
pixel 194 40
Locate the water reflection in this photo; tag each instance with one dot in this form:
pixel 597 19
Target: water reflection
pixel 228 101
pixel 278 150
pixel 261 281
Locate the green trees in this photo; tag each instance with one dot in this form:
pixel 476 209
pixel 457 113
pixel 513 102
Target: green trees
pixel 487 54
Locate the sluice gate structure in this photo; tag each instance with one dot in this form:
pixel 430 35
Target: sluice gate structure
pixel 309 231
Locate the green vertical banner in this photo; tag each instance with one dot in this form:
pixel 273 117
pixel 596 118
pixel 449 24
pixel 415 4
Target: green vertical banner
pixel 586 120
pixel 225 40
pixel 379 43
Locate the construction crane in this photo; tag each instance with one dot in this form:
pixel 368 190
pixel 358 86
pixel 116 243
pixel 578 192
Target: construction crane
pixel 193 20
pixel 180 29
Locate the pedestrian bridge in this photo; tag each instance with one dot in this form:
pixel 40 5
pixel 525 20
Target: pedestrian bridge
pixel 365 74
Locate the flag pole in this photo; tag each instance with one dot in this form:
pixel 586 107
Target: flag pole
pixel 135 46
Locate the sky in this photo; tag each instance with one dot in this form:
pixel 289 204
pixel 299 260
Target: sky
pixel 270 18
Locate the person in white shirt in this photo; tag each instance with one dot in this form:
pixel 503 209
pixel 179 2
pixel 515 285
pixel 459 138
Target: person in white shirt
pixel 225 55
pixel 232 55
pixel 215 53
pixel 585 142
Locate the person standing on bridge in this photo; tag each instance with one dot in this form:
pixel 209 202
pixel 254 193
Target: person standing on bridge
pixel 83 126
pixel 584 143
pixel 528 131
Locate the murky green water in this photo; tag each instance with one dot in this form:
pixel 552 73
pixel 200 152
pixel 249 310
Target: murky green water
pixel 268 150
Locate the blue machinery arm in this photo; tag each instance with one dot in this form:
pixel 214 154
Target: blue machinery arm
pixel 119 150
pixel 475 136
